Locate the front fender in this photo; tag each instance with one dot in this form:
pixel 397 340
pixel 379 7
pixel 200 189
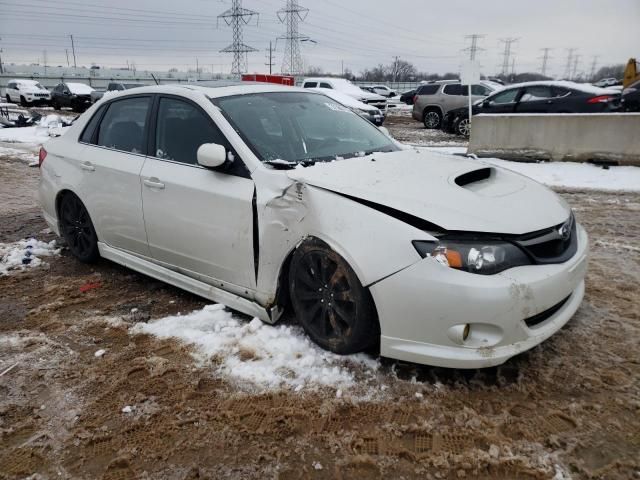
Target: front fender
pixel 375 244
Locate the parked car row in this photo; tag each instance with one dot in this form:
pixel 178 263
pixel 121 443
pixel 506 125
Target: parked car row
pixel 74 95
pixel 536 97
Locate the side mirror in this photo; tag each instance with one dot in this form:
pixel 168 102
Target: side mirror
pixel 485 104
pixel 211 155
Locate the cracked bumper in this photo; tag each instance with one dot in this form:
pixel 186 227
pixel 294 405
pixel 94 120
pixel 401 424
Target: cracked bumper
pixel 421 307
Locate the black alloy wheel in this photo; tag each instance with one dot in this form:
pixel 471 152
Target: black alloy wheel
pixel 77 229
pixel 331 304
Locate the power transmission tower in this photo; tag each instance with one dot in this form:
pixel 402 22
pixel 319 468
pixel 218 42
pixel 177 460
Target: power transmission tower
pixel 545 60
pixel 290 15
pixel 473 49
pixel 576 59
pixel 506 55
pixel 569 64
pixel 594 63
pixel 237 17
pixel 269 56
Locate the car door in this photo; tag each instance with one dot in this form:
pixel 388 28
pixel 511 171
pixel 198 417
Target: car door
pixel 197 219
pixel 11 87
pixel 111 163
pixel 535 99
pixel 501 102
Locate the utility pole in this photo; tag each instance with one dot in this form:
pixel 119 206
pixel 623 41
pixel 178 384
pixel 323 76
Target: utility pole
pixel 594 63
pixel 545 60
pixel 197 69
pixel 290 15
pixel 73 49
pixel 506 55
pixel 567 68
pixel 342 68
pixel 395 68
pixel 1 67
pixel 66 52
pixel 513 67
pixel 237 17
pixel 45 59
pixel 270 62
pixel 473 49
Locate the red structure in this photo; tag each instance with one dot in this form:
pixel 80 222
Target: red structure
pixel 279 79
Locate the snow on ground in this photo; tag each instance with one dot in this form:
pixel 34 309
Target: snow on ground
pixel 573 175
pixel 280 356
pixel 23 254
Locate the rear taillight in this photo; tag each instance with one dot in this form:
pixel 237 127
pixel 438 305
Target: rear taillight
pixel 41 156
pixel 415 98
pixel 601 99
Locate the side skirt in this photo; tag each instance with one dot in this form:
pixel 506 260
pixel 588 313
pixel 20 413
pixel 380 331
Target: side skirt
pixel 186 283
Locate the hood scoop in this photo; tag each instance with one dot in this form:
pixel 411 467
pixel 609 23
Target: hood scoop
pixel 473 176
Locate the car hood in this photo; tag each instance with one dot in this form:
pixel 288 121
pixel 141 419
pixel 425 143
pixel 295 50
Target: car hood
pixel 454 193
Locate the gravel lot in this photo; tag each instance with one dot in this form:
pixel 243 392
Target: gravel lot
pixel 569 408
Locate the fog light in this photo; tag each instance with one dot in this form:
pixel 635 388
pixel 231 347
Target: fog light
pixel 459 333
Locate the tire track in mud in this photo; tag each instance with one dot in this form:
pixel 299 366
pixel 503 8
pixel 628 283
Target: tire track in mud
pixel 573 401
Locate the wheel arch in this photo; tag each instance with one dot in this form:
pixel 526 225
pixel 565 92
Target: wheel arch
pixel 432 107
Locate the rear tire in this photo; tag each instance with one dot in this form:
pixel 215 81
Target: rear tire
pixel 329 301
pixel 432 119
pixel 77 229
pixel 462 127
pixel 55 105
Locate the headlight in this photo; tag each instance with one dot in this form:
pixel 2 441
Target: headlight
pixel 474 256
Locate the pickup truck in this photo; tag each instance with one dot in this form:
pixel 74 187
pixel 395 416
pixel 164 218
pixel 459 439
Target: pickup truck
pixel 113 87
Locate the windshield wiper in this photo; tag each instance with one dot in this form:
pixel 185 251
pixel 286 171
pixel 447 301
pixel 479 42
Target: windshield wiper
pixel 281 164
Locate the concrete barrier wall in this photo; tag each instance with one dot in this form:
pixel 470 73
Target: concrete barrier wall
pixel 611 137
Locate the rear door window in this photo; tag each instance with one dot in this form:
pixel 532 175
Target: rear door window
pixel 427 90
pixel 453 89
pixel 536 93
pixel 480 90
pixel 123 126
pixel 325 85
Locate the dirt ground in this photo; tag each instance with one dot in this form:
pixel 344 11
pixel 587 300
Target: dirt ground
pixel 569 408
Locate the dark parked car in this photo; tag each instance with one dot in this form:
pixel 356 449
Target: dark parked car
pixel 74 95
pixel 113 87
pixel 630 101
pixel 536 97
pixel 407 97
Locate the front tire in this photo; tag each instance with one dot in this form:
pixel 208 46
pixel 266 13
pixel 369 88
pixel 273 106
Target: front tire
pixel 23 101
pixel 432 119
pixel 55 105
pixel 329 301
pixel 8 98
pixel 77 229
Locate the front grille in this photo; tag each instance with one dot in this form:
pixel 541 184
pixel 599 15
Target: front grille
pixel 542 316
pixel 40 94
pixel 553 245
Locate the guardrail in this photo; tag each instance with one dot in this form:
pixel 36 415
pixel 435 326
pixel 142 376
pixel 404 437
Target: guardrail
pixel 606 137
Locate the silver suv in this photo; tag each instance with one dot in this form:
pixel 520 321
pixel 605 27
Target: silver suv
pixel 433 100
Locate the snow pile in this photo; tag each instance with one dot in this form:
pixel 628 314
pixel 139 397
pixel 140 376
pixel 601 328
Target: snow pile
pixel 269 356
pixel 581 176
pixel 24 254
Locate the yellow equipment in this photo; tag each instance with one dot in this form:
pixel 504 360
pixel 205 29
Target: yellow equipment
pixel 630 73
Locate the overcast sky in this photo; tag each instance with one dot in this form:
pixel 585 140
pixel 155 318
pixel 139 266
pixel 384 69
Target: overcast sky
pixel 160 34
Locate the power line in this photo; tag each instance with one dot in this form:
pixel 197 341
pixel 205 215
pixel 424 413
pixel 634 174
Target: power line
pixel 473 48
pixel 506 55
pixel 290 15
pixel 545 60
pixel 237 17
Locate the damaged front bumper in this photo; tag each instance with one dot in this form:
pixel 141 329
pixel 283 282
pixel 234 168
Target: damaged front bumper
pixel 424 308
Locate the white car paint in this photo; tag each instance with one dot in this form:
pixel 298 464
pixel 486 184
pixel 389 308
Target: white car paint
pixel 348 88
pixel 30 90
pixel 193 227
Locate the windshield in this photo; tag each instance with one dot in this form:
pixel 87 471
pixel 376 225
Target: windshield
pixel 300 127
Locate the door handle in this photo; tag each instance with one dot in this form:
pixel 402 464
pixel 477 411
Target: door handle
pixel 153 183
pixel 88 166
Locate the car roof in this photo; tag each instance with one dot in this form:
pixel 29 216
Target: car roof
pixel 583 87
pixel 225 89
pixel 24 81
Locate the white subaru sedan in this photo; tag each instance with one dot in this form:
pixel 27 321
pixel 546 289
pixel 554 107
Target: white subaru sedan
pixel 268 198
